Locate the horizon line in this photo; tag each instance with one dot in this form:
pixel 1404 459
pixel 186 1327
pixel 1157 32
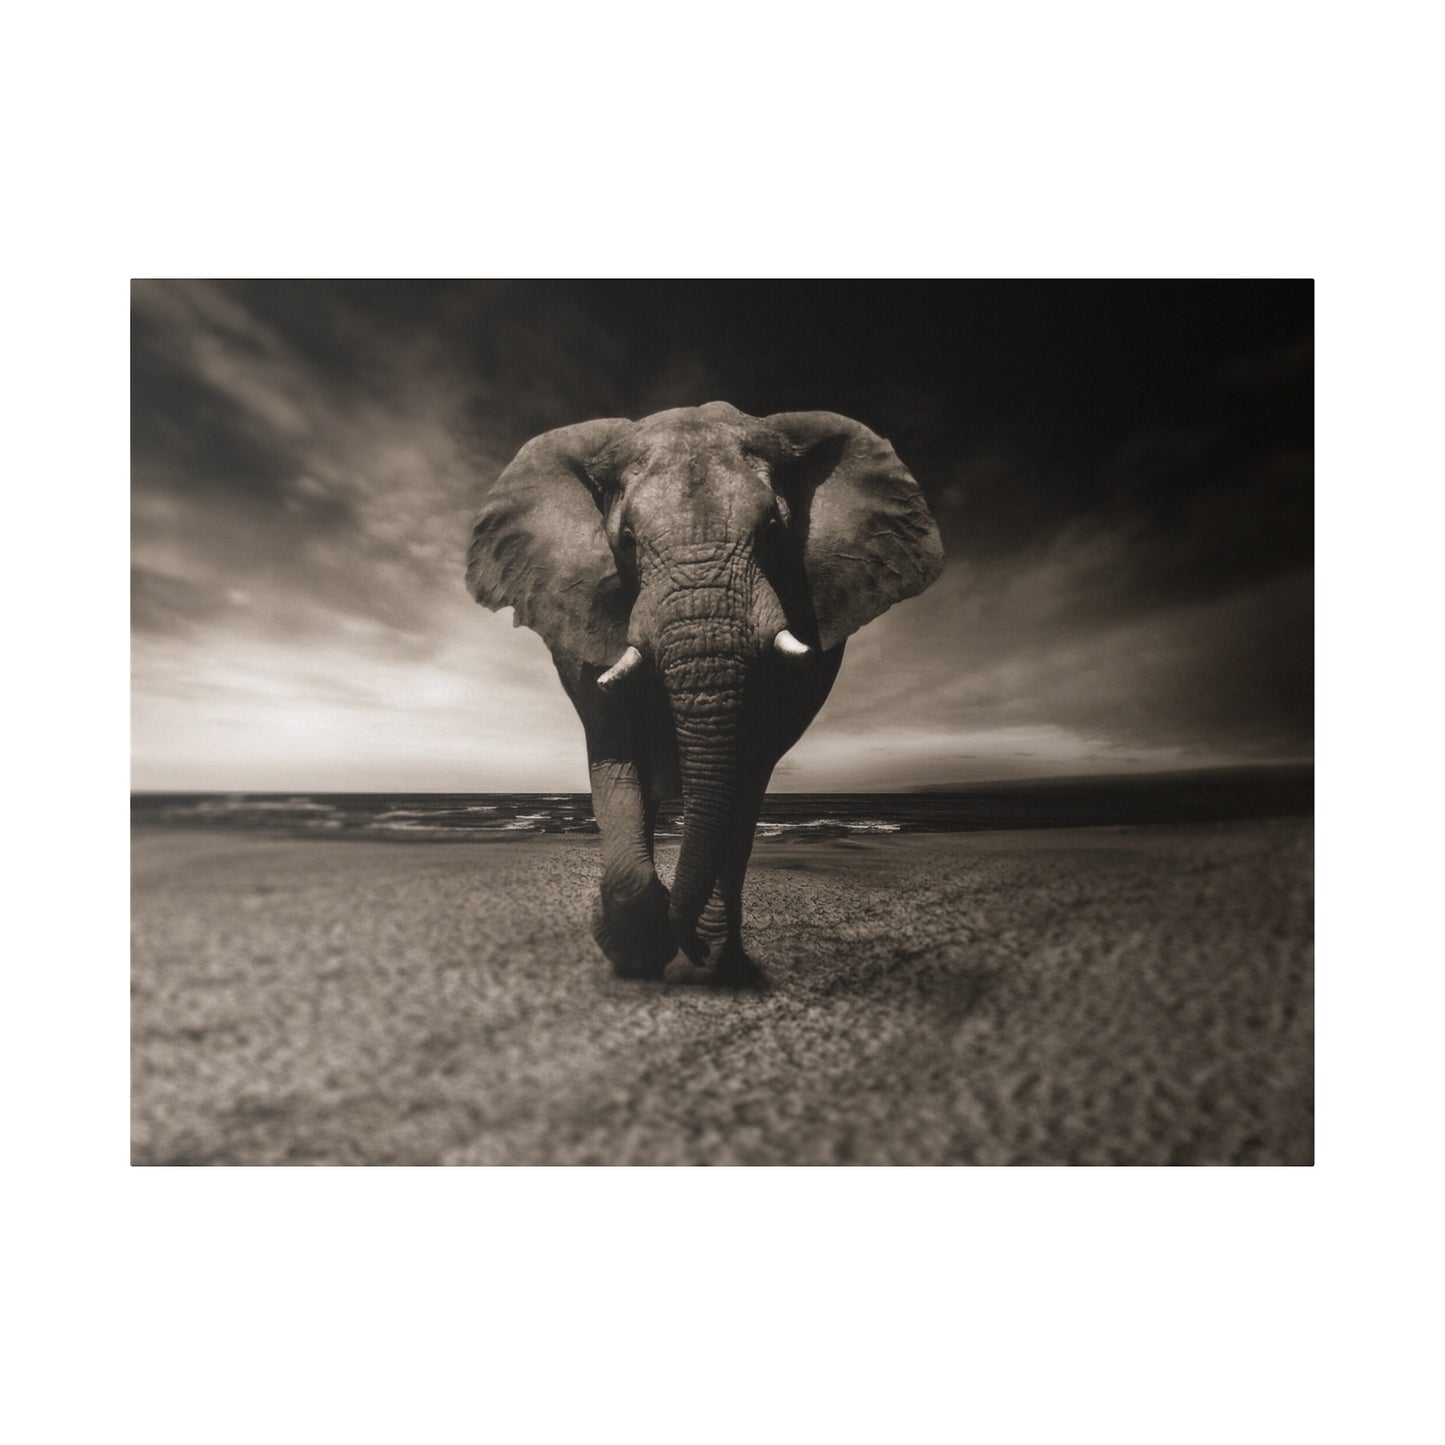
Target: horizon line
pixel 912 788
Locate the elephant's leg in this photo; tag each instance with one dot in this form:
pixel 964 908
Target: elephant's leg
pixel 629 921
pixel 723 958
pixel 717 955
pixel 794 702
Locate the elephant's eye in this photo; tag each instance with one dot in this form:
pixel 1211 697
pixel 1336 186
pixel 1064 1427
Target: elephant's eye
pixel 627 539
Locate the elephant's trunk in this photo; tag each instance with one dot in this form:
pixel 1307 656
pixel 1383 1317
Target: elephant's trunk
pixel 708 648
pixel 708 693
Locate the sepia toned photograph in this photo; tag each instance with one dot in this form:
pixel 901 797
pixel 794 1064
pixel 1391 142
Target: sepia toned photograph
pixel 785 723
pixel 764 687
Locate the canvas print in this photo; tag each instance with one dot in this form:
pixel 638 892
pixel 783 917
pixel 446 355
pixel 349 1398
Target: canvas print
pixel 722 722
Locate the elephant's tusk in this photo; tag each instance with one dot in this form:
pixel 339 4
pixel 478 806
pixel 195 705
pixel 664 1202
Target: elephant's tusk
pixel 790 647
pixel 624 667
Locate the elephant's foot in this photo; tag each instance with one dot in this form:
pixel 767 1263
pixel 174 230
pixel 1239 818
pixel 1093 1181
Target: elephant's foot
pixel 633 930
pixel 714 957
pixel 738 971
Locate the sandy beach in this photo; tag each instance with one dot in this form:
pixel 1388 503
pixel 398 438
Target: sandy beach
pixel 1078 996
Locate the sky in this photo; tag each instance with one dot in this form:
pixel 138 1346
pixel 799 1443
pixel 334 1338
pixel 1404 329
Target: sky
pixel 1122 473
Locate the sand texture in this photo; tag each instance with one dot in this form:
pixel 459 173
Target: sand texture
pixel 1084 996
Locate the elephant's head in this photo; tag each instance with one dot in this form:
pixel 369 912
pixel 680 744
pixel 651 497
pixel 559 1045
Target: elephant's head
pixel 707 547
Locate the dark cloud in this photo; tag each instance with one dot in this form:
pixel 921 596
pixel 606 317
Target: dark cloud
pixel 1123 473
pixel 169 605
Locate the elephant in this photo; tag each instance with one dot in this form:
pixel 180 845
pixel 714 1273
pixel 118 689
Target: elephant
pixel 695 576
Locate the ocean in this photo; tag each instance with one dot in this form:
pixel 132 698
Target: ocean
pixel 1213 795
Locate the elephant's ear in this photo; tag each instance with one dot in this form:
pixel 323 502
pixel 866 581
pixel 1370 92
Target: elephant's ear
pixel 868 539
pixel 538 545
